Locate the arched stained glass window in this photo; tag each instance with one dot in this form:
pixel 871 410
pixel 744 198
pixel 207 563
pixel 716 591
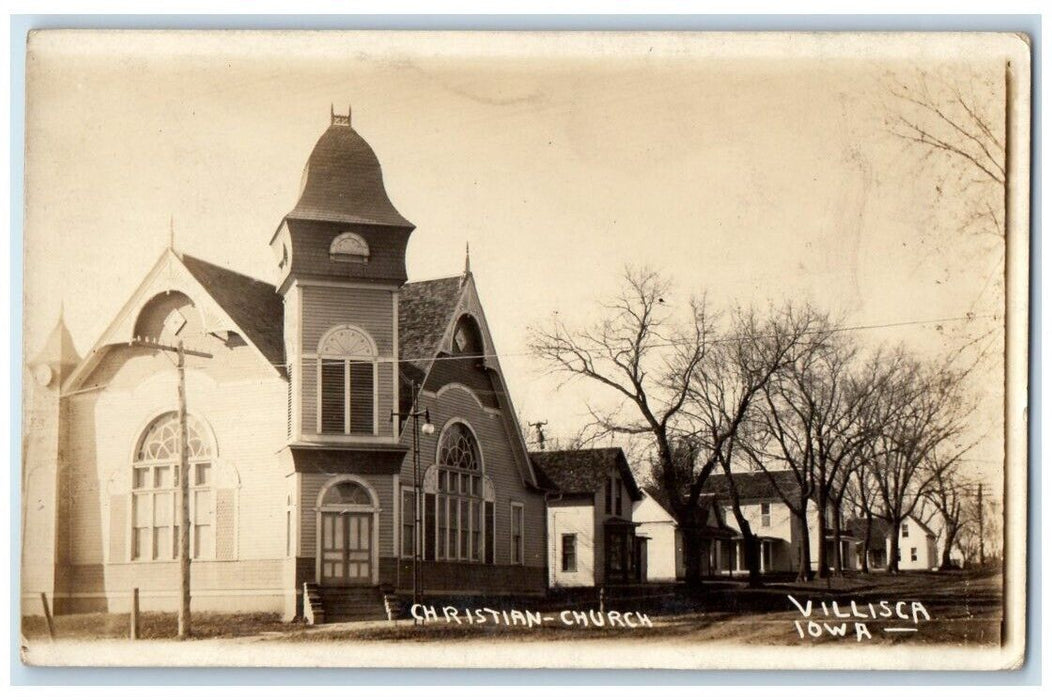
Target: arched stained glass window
pixel 155 488
pixel 161 440
pixel 458 448
pixel 347 493
pixel 459 516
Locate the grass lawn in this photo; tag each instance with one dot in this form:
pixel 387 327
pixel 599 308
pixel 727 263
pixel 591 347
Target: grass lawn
pixel 964 607
pixel 152 625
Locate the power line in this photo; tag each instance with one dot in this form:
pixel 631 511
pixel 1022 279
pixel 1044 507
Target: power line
pixel 839 329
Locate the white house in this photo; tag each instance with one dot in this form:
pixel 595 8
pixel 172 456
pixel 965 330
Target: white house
pixel 592 539
pixel 762 497
pixel 917 550
pixel 664 547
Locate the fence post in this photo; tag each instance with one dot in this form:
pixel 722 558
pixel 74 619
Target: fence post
pixel 134 623
pixel 602 599
pixel 47 617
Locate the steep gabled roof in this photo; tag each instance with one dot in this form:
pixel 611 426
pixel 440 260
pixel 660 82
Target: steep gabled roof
pixel 753 485
pixel 583 471
pixel 252 304
pixel 425 310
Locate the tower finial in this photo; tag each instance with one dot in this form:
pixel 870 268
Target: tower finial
pixel 171 232
pixel 467 258
pixel 340 119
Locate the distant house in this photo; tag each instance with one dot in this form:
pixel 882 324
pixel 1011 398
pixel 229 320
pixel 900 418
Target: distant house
pixel 592 540
pixel 762 499
pixel 664 540
pixel 917 544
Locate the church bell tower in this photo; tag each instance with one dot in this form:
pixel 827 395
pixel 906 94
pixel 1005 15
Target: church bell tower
pixel 341 256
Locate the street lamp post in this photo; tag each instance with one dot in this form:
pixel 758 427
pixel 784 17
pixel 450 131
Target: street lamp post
pixel 427 429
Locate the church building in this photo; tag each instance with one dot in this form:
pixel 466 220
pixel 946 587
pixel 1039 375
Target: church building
pixel 306 447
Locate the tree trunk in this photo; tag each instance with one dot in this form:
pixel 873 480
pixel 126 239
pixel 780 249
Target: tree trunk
pixel 838 554
pixel 692 551
pixel 804 568
pixel 893 548
pixel 823 560
pixel 749 541
pixel 865 543
pixel 951 535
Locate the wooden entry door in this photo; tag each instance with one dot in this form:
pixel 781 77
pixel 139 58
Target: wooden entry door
pixel 346 549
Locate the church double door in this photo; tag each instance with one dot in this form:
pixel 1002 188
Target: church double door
pixel 346 549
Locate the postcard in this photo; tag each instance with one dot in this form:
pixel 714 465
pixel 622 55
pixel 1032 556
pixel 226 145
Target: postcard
pixel 525 350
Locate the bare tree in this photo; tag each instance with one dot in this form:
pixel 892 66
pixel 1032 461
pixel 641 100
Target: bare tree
pixel 787 346
pixel 860 493
pixel 645 358
pixel 922 413
pixel 676 381
pixel 961 123
pixel 948 497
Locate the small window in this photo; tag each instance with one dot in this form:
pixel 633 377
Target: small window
pixel 609 496
pixel 905 530
pixel 765 514
pixel 408 527
pixel 617 495
pixel 913 554
pixel 349 247
pixel 569 553
pixel 516 533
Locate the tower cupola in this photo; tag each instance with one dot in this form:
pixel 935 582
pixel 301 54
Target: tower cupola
pixel 343 224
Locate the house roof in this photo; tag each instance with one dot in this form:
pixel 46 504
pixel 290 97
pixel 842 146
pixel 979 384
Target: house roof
pixel 582 471
pixel 424 312
pixel 253 305
pixel 343 182
pixel 753 485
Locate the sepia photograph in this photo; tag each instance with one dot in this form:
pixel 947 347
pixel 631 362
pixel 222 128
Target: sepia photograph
pixel 525 349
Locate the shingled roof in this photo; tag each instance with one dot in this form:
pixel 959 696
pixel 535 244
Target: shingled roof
pixel 583 471
pixel 253 305
pixel 753 485
pixel 342 181
pixel 424 312
pixel 878 533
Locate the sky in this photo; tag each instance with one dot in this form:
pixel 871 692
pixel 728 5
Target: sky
pixel 751 169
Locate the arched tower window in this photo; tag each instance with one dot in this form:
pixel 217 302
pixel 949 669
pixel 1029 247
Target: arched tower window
pixel 467 338
pixel 347 382
pixel 155 488
pixel 459 502
pixel 349 247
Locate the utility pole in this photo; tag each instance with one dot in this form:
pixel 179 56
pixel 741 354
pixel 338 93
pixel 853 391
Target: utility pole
pixel 539 427
pixel 183 478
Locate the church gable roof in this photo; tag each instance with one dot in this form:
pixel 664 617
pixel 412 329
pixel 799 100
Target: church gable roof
pixel 425 310
pixel 252 304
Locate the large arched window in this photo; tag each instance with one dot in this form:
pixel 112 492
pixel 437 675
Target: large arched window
pixel 459 514
pixel 347 382
pixel 155 487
